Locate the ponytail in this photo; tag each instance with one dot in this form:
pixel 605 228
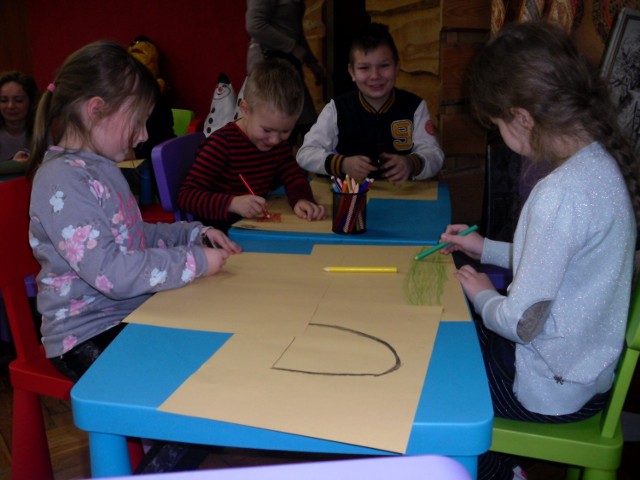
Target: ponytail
pixel 102 69
pixel 40 137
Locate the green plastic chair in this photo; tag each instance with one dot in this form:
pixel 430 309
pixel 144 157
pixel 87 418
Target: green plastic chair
pixel 591 447
pixel 181 120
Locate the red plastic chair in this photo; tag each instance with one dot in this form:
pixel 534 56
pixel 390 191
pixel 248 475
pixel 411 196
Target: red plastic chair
pixel 154 213
pixel 31 373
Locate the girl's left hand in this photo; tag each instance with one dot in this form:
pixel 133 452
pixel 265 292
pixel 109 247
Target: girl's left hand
pixel 21 156
pixel 473 282
pixel 309 211
pixel 220 240
pixel 396 168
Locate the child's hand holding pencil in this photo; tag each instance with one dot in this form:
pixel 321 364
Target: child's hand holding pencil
pixel 458 238
pixel 263 203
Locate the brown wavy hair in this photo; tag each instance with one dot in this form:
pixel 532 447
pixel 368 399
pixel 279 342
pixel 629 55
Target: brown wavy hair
pixel 537 67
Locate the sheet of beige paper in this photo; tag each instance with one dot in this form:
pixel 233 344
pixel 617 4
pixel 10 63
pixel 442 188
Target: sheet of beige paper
pixel 131 163
pixel 354 376
pixel 420 190
pixel 288 221
pixel 321 188
pixel 250 293
pixel 271 293
pixel 341 357
pixel 390 288
pixel 426 190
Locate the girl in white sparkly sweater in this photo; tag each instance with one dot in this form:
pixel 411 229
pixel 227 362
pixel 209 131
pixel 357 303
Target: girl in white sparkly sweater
pixel 551 345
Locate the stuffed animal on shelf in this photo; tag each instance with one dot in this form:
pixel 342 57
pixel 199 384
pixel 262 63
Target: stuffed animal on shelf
pixel 147 53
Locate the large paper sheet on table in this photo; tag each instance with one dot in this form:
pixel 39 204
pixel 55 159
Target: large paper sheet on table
pixel 283 218
pixel 335 356
pixel 353 378
pixel 270 293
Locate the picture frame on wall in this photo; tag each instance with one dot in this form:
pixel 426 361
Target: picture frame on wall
pixel 621 69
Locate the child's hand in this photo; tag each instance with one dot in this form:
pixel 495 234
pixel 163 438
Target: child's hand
pixel 396 168
pixel 219 240
pixel 358 167
pixel 247 206
pixel 21 156
pixel 216 258
pixel 473 282
pixel 309 211
pixel 471 244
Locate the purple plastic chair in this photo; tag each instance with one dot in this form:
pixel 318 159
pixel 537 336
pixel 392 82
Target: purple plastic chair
pixel 171 162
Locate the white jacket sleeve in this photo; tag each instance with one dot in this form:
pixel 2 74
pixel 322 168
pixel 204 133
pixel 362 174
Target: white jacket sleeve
pixel 425 144
pixel 320 141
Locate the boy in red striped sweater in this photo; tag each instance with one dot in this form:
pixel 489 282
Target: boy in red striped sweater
pixel 255 147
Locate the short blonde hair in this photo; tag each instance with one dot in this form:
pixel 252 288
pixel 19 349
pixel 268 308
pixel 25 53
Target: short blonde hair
pixel 276 83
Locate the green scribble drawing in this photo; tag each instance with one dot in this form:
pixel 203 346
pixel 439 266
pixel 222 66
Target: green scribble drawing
pixel 425 281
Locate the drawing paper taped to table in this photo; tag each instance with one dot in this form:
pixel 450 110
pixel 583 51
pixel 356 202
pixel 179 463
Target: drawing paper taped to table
pixel 272 293
pixel 353 377
pixel 285 220
pixel 341 357
pixel 414 190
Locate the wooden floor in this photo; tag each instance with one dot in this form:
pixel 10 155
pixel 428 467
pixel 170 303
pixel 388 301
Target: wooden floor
pixel 70 453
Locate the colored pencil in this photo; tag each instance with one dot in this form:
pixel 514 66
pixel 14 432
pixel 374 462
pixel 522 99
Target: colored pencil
pixel 246 184
pixel 431 250
pixel 361 269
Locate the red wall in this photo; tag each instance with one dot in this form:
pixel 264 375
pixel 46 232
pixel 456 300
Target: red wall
pixel 197 39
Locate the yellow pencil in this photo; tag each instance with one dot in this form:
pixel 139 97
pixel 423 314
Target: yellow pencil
pixel 361 269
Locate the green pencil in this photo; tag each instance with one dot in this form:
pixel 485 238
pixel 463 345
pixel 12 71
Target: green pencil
pixel 431 250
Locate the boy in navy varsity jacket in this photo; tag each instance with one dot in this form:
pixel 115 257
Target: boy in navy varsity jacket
pixel 254 148
pixel 375 131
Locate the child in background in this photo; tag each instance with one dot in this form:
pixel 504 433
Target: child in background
pixel 255 146
pixel 551 345
pixel 377 130
pixel 18 102
pixel 99 260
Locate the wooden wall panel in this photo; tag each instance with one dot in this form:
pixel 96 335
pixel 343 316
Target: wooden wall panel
pixel 376 6
pixel 417 36
pixel 457 51
pixel 466 14
pixel 462 135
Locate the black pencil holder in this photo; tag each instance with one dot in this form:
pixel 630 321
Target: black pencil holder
pixel 349 213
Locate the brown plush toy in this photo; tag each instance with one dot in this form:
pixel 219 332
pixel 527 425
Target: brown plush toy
pixel 146 52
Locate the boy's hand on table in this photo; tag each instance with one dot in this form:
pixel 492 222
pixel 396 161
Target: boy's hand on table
pixel 309 211
pixel 396 168
pixel 247 206
pixel 358 167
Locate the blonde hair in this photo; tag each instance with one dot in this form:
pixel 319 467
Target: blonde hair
pixel 275 83
pixel 102 69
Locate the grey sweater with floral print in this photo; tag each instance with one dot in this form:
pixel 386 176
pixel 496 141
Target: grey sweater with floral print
pixel 99 260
